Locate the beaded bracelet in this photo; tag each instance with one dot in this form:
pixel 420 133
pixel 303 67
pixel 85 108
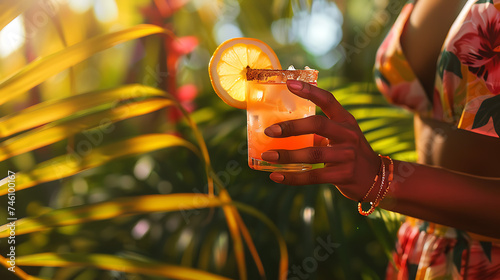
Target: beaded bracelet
pixel 390 177
pixel 373 205
pixel 374 182
pixel 379 198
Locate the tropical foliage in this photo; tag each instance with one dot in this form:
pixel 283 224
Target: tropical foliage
pixel 119 161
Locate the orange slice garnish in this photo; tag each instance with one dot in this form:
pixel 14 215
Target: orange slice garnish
pixel 229 63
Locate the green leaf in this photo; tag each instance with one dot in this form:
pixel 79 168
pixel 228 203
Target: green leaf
pixel 449 62
pixel 109 262
pixel 459 249
pixel 486 248
pixel 43 68
pixel 381 112
pixel 70 164
pixel 372 125
pixel 489 109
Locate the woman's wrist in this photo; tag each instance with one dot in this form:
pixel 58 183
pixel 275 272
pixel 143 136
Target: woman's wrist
pixel 383 180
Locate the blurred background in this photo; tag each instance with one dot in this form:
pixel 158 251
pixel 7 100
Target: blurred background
pixel 337 37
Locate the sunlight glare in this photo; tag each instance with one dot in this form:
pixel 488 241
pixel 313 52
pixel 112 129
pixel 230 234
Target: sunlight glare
pixel 12 37
pixel 80 186
pixel 184 239
pixel 308 214
pixel 106 10
pixel 143 167
pixel 226 30
pixel 321 30
pixel 140 229
pixel 80 6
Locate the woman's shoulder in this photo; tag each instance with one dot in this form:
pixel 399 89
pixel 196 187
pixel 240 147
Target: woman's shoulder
pixel 394 76
pixel 467 70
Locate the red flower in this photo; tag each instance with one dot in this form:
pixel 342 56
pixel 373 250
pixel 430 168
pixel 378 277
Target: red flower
pixel 175 48
pixel 162 9
pixel 478 44
pixel 186 95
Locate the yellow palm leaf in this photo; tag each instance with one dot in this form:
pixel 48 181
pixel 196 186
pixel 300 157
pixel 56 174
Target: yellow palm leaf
pixel 251 246
pixel 283 266
pixel 12 9
pixel 19 272
pixel 109 262
pixel 53 110
pixel 71 164
pixel 42 68
pixel 234 230
pixel 111 209
pixel 54 132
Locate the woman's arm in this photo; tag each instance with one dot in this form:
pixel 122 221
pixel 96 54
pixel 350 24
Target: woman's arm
pixel 445 197
pixel 438 195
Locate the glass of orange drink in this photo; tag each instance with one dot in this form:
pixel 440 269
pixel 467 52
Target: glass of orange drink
pixel 269 102
pixel 246 74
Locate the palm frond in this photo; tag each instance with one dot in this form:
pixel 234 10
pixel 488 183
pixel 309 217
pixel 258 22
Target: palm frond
pixel 117 263
pixel 45 67
pixel 111 209
pixel 60 130
pixel 10 10
pixel 53 110
pixel 71 164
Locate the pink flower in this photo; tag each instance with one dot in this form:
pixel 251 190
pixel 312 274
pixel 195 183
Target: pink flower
pixel 478 44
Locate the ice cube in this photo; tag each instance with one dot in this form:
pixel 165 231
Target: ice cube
pixel 258 96
pixel 253 120
pixel 287 102
pixel 256 93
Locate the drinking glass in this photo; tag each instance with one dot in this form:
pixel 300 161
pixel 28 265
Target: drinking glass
pixel 268 102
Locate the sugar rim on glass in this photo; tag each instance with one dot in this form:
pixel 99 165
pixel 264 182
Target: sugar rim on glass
pixel 281 76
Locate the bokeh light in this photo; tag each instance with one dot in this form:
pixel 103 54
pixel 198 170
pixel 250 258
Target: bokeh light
pixel 12 37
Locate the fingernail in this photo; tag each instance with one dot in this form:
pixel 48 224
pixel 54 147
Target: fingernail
pixel 273 130
pixel 270 156
pixel 295 85
pixel 277 177
pixel 325 142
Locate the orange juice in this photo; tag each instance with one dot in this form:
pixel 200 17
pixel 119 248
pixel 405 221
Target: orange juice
pixel 268 102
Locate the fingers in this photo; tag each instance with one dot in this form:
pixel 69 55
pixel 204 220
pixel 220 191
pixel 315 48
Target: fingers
pixel 324 99
pixel 320 140
pixel 338 175
pixel 310 155
pixel 317 124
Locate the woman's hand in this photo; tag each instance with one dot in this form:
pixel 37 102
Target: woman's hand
pixel 350 162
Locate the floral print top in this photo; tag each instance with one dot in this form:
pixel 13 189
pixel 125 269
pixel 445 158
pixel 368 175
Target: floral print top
pixel 466 94
pixel 467 84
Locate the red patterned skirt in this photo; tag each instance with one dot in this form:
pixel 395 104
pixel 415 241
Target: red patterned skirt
pixel 427 251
